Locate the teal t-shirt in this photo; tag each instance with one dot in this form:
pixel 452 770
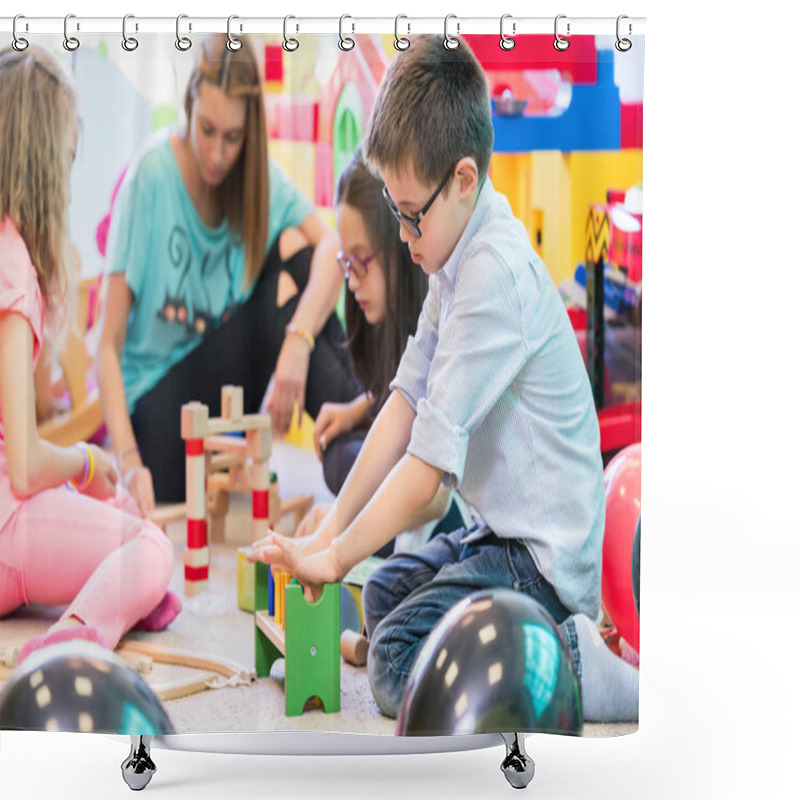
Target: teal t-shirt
pixel 186 278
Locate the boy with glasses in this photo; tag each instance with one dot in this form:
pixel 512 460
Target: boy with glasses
pixel 491 396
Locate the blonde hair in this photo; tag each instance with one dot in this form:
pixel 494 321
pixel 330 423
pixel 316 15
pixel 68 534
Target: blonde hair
pixel 37 98
pixel 245 191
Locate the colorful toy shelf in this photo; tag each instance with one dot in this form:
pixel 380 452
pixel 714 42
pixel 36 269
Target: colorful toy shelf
pixel 305 634
pixel 592 121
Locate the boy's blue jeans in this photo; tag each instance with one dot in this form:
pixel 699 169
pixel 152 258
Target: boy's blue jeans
pixel 405 598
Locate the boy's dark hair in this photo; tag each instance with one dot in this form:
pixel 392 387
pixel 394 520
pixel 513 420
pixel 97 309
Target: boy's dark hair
pixel 375 350
pixel 432 109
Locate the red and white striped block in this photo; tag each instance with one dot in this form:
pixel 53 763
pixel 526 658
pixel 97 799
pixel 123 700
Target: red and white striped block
pixel 194 424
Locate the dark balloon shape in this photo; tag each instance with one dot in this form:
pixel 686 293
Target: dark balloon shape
pixel 495 663
pixel 80 686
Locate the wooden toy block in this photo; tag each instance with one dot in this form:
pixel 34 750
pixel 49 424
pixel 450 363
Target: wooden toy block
pixel 195 557
pixel 310 643
pixel 196 533
pixel 195 487
pixel 166 515
pixel 354 648
pixel 226 444
pixel 194 421
pixel 220 461
pixel 260 475
pixel 218 464
pixel 274 502
pixel 193 588
pixel 259 443
pixel 232 403
pixel 247 423
pixel 281 582
pixel 195 574
pixel 313 657
pixel 245 581
pixel 218 503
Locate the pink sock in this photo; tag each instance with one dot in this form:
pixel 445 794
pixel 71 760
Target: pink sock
pixel 77 633
pixel 162 614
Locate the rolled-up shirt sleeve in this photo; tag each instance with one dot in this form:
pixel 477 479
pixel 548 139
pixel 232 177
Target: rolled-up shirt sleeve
pixel 412 373
pixel 481 348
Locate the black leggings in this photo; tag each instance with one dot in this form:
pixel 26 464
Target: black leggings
pixel 243 352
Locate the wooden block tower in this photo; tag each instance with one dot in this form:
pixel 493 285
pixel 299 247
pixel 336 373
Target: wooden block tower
pixel 203 436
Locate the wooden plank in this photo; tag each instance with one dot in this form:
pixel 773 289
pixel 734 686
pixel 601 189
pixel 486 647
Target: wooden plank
pixel 226 444
pixel 267 625
pixel 164 515
pixel 248 422
pixel 226 461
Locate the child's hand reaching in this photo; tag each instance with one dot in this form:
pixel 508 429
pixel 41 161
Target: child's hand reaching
pixel 138 480
pixel 310 523
pixel 104 480
pixel 333 420
pixel 292 556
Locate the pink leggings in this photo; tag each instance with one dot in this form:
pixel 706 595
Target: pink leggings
pixel 111 566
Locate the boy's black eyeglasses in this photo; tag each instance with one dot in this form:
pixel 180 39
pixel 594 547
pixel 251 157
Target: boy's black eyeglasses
pixel 412 223
pixel 358 266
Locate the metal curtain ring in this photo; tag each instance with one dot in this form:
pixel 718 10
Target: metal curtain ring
pixel 183 43
pixel 71 43
pixel 128 42
pixel 560 43
pixel 233 44
pixel 623 45
pixel 450 42
pixel 346 42
pixel 506 42
pixel 289 44
pixel 19 43
pixel 401 42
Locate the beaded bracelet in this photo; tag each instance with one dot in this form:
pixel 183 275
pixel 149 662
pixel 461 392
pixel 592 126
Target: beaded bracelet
pixel 88 468
pixel 296 330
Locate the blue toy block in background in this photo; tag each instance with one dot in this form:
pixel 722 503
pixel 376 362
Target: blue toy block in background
pixel 591 122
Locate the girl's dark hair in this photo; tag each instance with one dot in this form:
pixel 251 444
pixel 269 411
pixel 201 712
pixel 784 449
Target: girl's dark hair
pixel 375 350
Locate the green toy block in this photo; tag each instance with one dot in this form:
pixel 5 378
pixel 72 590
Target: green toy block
pixel 266 652
pixel 311 644
pixel 313 658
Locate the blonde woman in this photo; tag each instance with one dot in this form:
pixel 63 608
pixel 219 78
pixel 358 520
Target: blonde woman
pixel 220 272
pixel 68 533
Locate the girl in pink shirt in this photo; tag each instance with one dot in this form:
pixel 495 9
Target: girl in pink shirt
pixel 69 534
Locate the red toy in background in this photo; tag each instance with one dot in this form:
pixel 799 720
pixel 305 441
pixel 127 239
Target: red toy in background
pixel 623 484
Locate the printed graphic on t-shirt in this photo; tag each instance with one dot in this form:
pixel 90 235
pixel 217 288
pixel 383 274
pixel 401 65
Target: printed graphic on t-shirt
pixel 199 292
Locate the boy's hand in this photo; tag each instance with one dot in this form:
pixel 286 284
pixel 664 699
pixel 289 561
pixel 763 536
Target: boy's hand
pixel 290 556
pixel 311 521
pixel 104 481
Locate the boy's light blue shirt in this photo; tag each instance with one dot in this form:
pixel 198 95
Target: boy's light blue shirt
pixel 503 402
pixel 186 278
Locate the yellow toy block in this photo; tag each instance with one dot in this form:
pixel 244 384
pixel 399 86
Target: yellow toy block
pixel 245 581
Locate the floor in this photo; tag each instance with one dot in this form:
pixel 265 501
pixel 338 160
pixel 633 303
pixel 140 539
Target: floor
pixel 214 619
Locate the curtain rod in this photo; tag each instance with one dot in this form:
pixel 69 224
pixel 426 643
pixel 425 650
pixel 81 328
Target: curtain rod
pixel 404 25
